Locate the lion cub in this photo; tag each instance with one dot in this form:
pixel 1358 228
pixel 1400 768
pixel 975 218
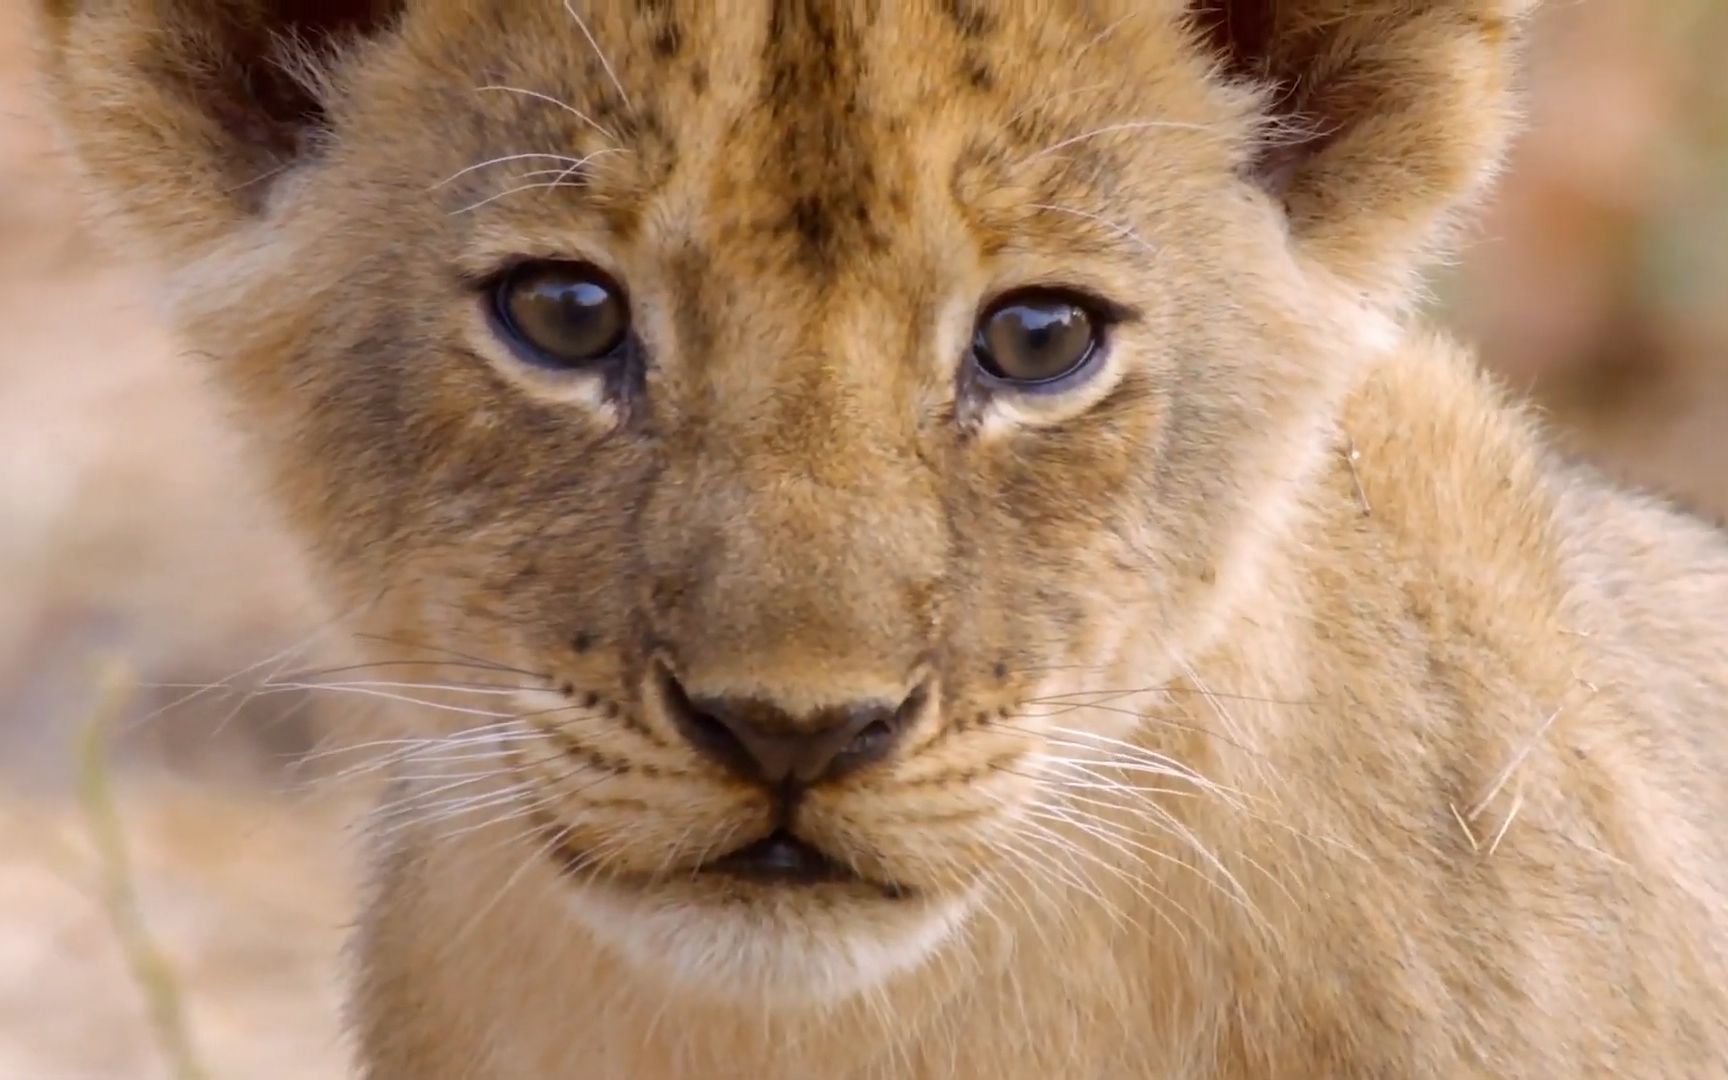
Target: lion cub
pixel 944 554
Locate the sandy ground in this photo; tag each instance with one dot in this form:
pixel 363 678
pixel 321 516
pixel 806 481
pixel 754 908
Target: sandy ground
pixel 244 897
pixel 127 528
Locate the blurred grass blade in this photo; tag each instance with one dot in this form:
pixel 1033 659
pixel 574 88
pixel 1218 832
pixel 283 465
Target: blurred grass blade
pixel 150 967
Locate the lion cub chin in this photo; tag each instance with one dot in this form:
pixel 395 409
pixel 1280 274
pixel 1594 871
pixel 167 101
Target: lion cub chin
pixel 919 539
pixel 781 949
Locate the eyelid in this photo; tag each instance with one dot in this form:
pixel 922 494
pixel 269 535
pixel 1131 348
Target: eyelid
pixel 481 280
pixel 493 255
pixel 1106 312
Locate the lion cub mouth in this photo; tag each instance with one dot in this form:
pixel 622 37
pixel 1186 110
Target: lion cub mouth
pixel 782 858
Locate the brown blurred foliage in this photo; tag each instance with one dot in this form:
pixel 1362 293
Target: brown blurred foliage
pixel 1598 283
pixel 1599 280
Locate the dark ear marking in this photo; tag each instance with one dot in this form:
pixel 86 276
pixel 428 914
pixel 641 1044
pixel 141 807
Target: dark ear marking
pixel 1240 33
pixel 1245 36
pixel 259 98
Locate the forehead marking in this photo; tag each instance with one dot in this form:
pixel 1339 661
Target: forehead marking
pixel 666 32
pixel 812 96
pixel 971 18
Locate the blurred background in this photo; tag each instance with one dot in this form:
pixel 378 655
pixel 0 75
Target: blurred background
pixel 1597 283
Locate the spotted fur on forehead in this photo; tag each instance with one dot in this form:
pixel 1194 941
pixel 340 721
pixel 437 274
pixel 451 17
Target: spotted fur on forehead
pixel 823 115
pixel 812 94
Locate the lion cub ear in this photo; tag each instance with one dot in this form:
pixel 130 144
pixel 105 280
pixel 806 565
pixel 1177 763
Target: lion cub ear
pixel 184 113
pixel 1383 117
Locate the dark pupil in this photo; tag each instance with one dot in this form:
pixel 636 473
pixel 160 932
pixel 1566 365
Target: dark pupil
pixel 1036 341
pixel 570 318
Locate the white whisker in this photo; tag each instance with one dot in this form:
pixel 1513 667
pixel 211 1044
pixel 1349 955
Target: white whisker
pixel 555 102
pixel 504 159
pixel 564 179
pixel 1125 232
pixel 1154 897
pixel 1111 129
pixel 478 689
pixel 403 699
pixel 570 7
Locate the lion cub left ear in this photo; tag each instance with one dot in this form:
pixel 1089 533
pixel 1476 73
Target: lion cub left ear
pixel 185 113
pixel 1383 118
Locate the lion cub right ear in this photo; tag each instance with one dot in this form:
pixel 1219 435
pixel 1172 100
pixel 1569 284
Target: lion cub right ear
pixel 1386 116
pixel 184 113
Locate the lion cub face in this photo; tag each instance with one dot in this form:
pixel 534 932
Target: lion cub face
pixel 819 406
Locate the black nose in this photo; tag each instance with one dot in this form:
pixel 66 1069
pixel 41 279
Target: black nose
pixel 762 742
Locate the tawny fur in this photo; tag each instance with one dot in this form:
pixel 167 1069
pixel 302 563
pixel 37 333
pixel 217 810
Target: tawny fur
pixel 1298 713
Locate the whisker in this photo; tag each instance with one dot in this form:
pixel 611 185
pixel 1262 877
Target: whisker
pixel 477 733
pixel 1171 691
pixel 1141 759
pixel 505 159
pixel 1098 781
pixel 1169 824
pixel 398 698
pixel 555 102
pixel 1076 91
pixel 413 816
pixel 1154 896
pixel 309 674
pixel 1100 37
pixel 1131 125
pixel 455 940
pixel 1161 721
pixel 382 762
pixel 478 689
pixel 1199 782
pixel 429 798
pixel 1058 843
pixel 570 7
pixel 1033 831
pixel 480 660
pixel 563 180
pixel 1092 740
pixel 1122 231
pixel 228 681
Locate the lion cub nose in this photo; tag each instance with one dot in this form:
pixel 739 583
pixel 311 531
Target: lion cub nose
pixel 759 741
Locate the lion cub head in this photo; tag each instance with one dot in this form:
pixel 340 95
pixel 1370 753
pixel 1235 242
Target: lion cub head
pixel 804 409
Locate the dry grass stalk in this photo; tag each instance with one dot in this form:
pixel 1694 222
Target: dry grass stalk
pixel 150 966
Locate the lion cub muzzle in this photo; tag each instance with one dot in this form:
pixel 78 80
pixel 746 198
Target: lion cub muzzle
pixel 757 740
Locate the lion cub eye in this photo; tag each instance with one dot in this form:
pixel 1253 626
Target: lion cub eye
pixel 1034 338
pixel 563 314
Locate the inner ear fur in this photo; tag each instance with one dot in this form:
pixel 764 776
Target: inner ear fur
pixel 1380 117
pixel 183 111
